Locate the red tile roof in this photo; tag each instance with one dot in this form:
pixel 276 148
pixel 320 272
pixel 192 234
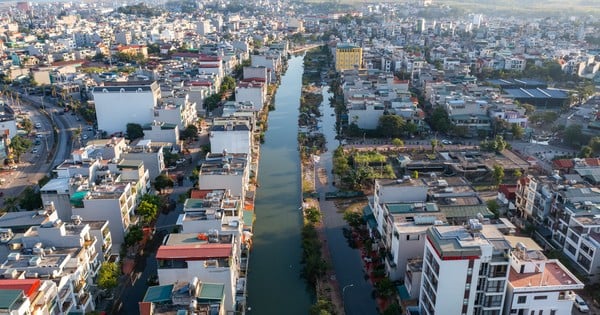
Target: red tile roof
pixel 194 252
pixel 563 163
pixel 508 191
pixel 29 286
pixel 592 161
pixel 199 193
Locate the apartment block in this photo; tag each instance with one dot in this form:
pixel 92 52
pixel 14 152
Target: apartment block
pixel 465 270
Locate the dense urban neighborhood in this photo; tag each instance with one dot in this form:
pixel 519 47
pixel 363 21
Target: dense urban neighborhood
pixel 299 157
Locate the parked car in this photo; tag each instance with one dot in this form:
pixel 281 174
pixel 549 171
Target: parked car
pixel 446 142
pixel 84 137
pixel 38 125
pixel 580 305
pixel 35 150
pixel 181 161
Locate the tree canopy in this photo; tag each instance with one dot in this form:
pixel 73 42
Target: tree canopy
pixel 391 126
pixel 108 275
pixel 134 131
pixel 439 120
pixel 19 145
pixel 162 181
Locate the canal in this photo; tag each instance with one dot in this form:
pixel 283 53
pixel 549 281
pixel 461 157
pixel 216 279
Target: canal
pixel 274 282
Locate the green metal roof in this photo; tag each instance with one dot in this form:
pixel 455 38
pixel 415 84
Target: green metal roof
pixel 159 293
pixel 212 291
pixel 77 197
pixel 192 203
pixel 400 207
pixel 248 217
pixel 8 298
pixel 466 211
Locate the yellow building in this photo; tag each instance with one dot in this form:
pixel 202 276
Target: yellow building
pixel 347 57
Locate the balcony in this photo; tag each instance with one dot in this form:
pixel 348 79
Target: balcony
pixel 66 307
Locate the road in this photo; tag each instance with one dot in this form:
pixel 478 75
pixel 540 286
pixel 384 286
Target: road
pixel 134 292
pixel 34 166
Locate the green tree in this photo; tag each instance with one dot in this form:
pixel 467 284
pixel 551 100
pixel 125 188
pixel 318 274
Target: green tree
pixel 212 102
pixel 341 164
pixel 30 199
pixel 322 307
pixel 595 144
pixel 517 131
pixel 397 142
pixel 108 275
pixel 134 131
pixel 134 235
pixel 162 181
pixel 19 145
pixel 586 152
pixel 517 173
pixel 354 219
pixel 529 109
pixel 494 207
pixel 27 125
pixel 190 132
pixel 439 120
pixel 498 174
pixel 153 199
pixel 228 84
pixel 11 204
pixel 391 125
pixel 415 174
pixel 147 210
pixel 573 135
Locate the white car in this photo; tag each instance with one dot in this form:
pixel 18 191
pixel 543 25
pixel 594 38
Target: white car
pixel 180 161
pixel 84 137
pixel 35 150
pixel 580 305
pixel 446 142
pixel 38 125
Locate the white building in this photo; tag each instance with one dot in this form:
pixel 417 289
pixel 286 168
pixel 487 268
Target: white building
pixel 214 259
pixel 254 92
pixel 225 170
pixel 232 135
pixel 465 270
pixel 118 105
pixel 538 285
pixel 216 210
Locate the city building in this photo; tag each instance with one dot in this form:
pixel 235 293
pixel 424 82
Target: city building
pixel 348 57
pixel 465 270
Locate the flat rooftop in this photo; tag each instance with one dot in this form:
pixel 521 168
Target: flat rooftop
pixel 554 274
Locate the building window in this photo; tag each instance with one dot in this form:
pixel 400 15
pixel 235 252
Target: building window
pixel 540 297
pixel 522 299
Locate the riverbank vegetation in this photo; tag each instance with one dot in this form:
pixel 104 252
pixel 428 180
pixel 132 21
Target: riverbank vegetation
pixel 315 265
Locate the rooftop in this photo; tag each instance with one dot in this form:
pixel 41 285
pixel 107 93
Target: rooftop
pixel 554 274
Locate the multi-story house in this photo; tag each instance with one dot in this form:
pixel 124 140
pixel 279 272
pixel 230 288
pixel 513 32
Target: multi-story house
pixel 537 285
pixel 151 153
pixel 64 252
pixel 231 135
pixel 252 91
pixel 465 270
pixel 534 196
pixel 211 257
pixel 28 296
pixel 135 102
pixel 225 169
pixel 218 210
pixel 194 296
pixel 347 57
pixel 576 228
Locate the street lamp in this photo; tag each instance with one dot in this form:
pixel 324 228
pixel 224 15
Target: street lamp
pixel 344 295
